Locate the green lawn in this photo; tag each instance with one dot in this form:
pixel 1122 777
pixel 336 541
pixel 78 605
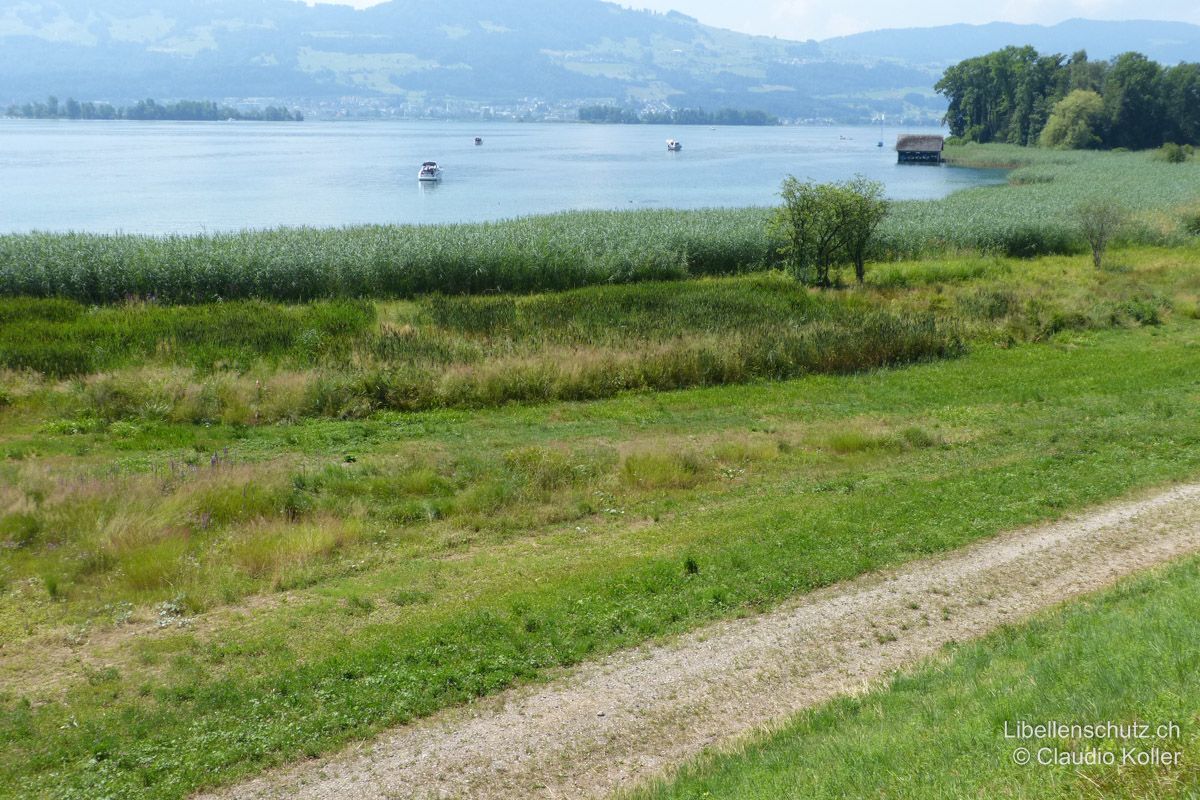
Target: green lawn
pixel 1128 655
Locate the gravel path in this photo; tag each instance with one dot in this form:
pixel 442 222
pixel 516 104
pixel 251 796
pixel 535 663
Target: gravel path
pixel 631 716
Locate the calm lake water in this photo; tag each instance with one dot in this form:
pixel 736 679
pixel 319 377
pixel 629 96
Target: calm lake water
pixel 176 177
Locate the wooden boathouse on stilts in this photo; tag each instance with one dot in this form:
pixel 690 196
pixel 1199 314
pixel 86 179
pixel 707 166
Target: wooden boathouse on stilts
pixel 919 149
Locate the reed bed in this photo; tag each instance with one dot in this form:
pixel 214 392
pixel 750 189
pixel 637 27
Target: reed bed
pixel 546 253
pixel 1034 213
pixel 1030 216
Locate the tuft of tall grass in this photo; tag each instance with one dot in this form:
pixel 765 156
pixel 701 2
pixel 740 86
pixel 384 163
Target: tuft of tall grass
pixel 663 469
pixel 20 529
pixel 745 450
pixel 154 566
pixel 857 440
pixel 545 469
pixel 272 548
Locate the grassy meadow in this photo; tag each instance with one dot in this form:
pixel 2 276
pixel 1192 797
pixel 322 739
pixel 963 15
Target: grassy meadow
pixel 222 590
pixel 263 494
pixel 1029 216
pixel 253 362
pixel 938 731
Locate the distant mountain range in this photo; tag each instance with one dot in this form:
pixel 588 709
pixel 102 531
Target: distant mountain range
pixel 499 57
pixel 1165 42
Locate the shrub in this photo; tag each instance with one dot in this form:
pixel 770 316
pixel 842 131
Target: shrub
pixel 821 225
pixel 1191 222
pixel 1100 219
pixel 1143 311
pixel 1172 153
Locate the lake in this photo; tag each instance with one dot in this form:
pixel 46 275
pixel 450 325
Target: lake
pixel 179 177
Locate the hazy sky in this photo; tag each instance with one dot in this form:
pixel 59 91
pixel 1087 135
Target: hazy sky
pixel 819 19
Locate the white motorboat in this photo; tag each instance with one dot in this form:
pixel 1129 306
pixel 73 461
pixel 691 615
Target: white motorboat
pixel 674 146
pixel 430 171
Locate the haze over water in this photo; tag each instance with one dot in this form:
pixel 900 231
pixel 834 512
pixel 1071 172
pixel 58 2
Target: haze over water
pixel 176 177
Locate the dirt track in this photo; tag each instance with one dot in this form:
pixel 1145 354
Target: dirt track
pixel 632 716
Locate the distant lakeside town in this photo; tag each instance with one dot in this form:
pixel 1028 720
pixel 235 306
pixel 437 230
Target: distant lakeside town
pixel 372 108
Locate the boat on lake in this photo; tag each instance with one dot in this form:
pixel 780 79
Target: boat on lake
pixel 429 172
pixel 674 146
pixel 478 140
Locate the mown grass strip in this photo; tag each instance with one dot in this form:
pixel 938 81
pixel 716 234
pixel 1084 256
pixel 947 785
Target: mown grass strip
pixel 1128 655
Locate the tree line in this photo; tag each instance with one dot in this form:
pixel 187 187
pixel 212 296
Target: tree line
pixel 182 111
pixel 1018 96
pixel 616 115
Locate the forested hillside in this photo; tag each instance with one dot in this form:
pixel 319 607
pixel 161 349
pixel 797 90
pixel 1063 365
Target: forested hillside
pixel 479 58
pixel 451 58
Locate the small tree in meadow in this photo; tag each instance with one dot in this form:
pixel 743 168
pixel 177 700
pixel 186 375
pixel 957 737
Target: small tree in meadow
pixel 1100 219
pixel 808 226
pixel 862 208
pixel 822 225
